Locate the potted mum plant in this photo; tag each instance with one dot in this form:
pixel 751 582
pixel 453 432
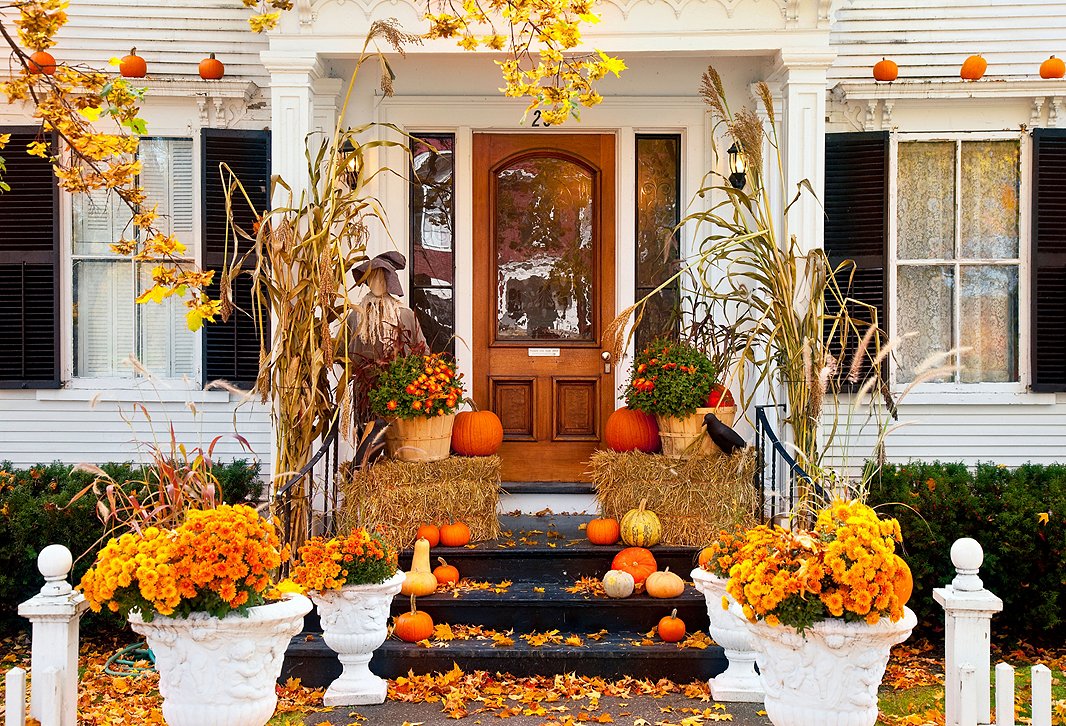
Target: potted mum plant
pixel 825 608
pixel 352 581
pixel 726 625
pixel 418 394
pixel 673 381
pixel 198 593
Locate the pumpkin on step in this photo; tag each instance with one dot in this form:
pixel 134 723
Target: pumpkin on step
pixel 476 433
pixel 419 580
pixel 413 626
pixel 602 531
pixel 637 561
pixel 429 532
pixel 445 573
pixel 618 584
pixel 631 430
pixel 664 584
pixel 641 527
pixel 455 534
pixel 672 628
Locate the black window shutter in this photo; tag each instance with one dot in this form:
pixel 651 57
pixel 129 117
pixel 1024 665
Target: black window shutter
pixel 231 349
pixel 1048 322
pixel 29 267
pixel 856 227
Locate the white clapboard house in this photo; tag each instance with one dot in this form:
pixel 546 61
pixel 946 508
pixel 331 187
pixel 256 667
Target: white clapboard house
pixel 950 196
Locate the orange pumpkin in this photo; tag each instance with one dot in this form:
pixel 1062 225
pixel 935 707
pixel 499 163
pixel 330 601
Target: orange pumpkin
pixel 413 626
pixel 603 531
pixel 720 397
pixel 430 533
pixel 672 628
pixel 455 534
pixel 886 70
pixel 705 556
pixel 664 584
pixel 973 68
pixel 211 69
pixel 42 62
pixel 904 584
pixel 132 65
pixel 476 433
pixel 1051 68
pixel 629 430
pixel 637 561
pixel 445 573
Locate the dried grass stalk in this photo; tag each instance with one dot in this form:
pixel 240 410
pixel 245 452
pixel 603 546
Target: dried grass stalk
pixel 397 497
pixel 695 498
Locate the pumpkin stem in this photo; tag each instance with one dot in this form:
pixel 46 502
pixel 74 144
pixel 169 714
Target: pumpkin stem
pixel 673 615
pixel 414 608
pixel 643 503
pixel 442 562
pixel 211 56
pixel 473 405
pixel 133 51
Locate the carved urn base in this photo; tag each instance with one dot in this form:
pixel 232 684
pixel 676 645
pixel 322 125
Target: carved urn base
pixel 355 622
pixel 222 671
pixel 830 675
pixel 739 682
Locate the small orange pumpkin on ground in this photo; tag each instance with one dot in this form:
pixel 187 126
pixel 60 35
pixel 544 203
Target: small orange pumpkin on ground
pixel 42 62
pixel 886 71
pixel 430 533
pixel 630 430
pixel 132 65
pixel 455 534
pixel 445 573
pixel 211 69
pixel 973 68
pixel 637 561
pixel 904 585
pixel 672 628
pixel 413 626
pixel 1051 68
pixel 476 433
pixel 603 531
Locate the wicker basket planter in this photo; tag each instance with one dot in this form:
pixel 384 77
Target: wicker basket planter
pixel 687 436
pixel 423 438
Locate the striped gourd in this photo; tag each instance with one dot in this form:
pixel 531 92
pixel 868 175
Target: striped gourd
pixel 641 527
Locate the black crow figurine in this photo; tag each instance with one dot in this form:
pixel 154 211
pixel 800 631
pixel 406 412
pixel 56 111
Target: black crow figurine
pixel 724 437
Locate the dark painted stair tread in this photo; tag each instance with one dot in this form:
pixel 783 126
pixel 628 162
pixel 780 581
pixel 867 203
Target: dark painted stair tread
pixel 523 591
pixel 614 656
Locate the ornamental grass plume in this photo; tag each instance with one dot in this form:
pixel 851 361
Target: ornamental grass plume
pixel 361 558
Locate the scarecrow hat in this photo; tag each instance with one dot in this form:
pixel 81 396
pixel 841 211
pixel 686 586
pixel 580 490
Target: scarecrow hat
pixel 391 262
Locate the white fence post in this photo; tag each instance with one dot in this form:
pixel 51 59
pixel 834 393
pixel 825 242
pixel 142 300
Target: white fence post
pixel 1041 676
pixel 968 704
pixel 1004 694
pixel 968 611
pixel 15 695
pixel 56 614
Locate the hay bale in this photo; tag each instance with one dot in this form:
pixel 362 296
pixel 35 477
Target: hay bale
pixel 399 496
pixel 695 498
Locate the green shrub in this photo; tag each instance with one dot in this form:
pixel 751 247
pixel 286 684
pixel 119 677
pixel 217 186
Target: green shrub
pixel 34 514
pixel 1025 557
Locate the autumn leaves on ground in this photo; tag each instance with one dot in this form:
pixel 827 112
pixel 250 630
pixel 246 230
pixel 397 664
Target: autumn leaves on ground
pixel 912 693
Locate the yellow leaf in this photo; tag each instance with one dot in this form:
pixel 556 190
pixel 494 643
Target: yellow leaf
pixel 574 640
pixel 1043 517
pixel 611 64
pixel 93 114
pixel 115 61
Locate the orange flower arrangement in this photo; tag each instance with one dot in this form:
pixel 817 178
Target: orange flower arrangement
pixel 843 569
pixel 418 385
pixel 361 558
pixel 217 561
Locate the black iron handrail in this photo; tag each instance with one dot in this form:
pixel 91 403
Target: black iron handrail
pixel 768 473
pixel 283 497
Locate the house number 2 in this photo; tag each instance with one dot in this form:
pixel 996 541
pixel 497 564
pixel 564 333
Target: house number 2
pixel 537 120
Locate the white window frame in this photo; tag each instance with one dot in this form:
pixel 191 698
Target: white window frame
pixel 1024 212
pixel 178 385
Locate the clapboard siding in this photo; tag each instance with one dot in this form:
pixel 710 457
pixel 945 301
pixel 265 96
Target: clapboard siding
pixel 172 37
pixel 72 431
pixel 929 40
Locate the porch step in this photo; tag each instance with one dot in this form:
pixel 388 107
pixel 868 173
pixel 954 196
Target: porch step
pixel 548 487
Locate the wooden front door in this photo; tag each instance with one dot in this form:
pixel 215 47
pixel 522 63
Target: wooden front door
pixel 544 242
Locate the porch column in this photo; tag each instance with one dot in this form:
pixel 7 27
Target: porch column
pixel 292 115
pixel 802 79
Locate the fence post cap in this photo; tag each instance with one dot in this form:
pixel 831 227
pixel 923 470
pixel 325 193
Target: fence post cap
pixel 54 563
pixel 967 556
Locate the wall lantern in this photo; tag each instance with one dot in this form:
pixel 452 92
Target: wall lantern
pixel 350 162
pixel 737 167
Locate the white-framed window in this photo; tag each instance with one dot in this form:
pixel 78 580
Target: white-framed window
pixel 958 243
pixel 108 326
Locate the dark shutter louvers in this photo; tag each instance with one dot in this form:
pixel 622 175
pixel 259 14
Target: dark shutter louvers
pixel 29 267
pixel 1049 260
pixel 856 228
pixel 231 349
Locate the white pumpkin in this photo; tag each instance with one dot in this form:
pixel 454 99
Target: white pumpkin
pixel 618 584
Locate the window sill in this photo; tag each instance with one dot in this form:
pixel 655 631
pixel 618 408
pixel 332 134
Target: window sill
pixel 974 398
pixel 125 392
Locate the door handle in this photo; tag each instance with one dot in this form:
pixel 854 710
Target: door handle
pixel 606 356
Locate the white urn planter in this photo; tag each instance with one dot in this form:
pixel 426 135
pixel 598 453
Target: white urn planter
pixel 355 622
pixel 830 675
pixel 729 629
pixel 222 671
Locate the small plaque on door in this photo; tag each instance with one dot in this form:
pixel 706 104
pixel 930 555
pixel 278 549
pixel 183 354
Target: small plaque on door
pixel 543 352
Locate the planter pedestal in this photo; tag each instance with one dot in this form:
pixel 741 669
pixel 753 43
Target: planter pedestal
pixel 830 675
pixel 222 671
pixel 355 624
pixel 728 628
